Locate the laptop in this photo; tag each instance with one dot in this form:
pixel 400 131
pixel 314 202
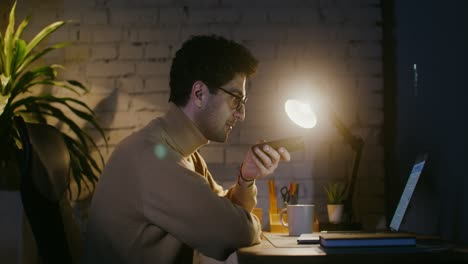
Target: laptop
pixel 393 234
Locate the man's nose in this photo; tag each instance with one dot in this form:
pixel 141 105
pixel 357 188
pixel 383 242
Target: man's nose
pixel 240 114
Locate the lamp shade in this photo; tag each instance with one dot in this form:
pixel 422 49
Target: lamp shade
pixel 300 113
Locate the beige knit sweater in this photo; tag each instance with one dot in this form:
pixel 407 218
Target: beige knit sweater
pixel 156 201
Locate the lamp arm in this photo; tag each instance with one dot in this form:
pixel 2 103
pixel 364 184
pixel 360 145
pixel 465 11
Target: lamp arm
pixel 357 144
pixel 354 141
pixel 352 182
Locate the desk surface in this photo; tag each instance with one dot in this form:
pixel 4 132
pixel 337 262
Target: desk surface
pixel 281 248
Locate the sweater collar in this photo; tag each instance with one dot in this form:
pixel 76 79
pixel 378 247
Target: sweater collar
pixel 182 133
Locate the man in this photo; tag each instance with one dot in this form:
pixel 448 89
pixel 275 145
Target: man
pixel 156 201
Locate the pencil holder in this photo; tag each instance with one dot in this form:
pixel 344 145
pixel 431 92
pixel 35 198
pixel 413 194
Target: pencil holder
pixel 275 223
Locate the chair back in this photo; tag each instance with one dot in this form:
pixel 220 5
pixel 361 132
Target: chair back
pixel 45 177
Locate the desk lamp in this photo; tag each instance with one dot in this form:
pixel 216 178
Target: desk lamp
pixel 302 115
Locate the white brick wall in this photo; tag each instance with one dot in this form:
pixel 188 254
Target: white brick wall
pixel 109 69
pixel 104 52
pixel 128 51
pixel 123 51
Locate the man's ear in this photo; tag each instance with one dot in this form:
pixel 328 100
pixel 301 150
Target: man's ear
pixel 199 93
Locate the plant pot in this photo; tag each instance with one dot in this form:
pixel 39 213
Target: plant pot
pixel 335 213
pixel 17 244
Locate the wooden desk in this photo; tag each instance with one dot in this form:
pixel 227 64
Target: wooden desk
pixel 281 248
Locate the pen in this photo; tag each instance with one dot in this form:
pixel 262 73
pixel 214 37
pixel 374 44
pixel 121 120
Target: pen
pixel 293 192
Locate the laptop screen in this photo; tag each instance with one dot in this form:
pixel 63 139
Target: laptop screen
pixel 408 192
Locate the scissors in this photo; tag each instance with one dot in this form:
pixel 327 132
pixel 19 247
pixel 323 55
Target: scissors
pixel 285 194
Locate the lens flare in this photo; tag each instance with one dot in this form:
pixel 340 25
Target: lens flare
pixel 160 151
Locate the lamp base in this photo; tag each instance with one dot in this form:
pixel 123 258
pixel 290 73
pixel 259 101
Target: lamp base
pixel 341 227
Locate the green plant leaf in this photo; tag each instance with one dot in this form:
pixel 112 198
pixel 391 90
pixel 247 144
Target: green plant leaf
pixel 43 72
pixel 335 192
pixel 2 55
pixel 79 150
pixel 52 83
pixel 77 84
pixel 19 54
pixel 4 81
pixel 21 27
pixel 42 34
pixel 79 165
pixel 83 115
pixel 33 57
pixel 49 110
pixel 9 41
pixel 90 119
pixel 83 138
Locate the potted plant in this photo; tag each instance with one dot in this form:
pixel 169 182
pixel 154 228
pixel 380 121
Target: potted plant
pixel 336 194
pixel 22 79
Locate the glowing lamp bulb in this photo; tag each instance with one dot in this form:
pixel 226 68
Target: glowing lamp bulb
pixel 300 113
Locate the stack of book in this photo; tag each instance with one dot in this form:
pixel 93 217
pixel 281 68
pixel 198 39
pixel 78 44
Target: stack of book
pixel 333 240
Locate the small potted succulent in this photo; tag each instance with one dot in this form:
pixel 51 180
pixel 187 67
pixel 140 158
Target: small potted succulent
pixel 336 194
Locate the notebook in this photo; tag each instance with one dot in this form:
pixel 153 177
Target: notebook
pixel 392 237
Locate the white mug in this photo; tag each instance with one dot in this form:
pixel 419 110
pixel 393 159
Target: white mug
pixel 300 218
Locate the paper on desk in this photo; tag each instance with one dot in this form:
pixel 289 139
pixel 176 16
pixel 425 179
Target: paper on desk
pixel 308 238
pixel 284 241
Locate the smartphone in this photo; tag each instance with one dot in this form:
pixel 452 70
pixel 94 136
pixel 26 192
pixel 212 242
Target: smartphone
pixel 291 144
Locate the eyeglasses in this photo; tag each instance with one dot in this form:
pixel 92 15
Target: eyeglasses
pixel 237 101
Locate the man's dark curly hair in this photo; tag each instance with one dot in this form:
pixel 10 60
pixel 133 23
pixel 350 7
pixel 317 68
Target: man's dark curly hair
pixel 211 59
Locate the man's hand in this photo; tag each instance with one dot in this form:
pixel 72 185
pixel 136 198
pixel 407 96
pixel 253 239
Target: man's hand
pixel 263 162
